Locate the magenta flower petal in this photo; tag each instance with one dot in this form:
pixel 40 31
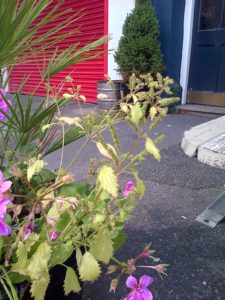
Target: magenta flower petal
pixel 2 211
pixel 146 294
pixel 4 228
pixel 1 178
pixel 5 186
pixel 145 281
pixel 131 282
pixel 129 187
pixel 53 235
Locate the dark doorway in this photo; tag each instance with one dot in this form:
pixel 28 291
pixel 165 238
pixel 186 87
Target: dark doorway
pixel 207 67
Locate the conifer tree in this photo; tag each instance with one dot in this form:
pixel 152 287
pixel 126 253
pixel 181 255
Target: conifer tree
pixel 139 47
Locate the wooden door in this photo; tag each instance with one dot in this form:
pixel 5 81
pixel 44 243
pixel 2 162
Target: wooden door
pixel 207 68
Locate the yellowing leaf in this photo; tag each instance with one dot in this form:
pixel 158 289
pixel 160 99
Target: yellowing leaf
pixel 82 97
pixel 35 168
pixel 71 283
pixel 89 269
pixel 39 261
pixel 39 286
pixel 102 248
pixel 108 181
pixel 153 112
pixel 103 150
pixel 21 265
pixel 124 107
pixel 78 256
pixel 151 148
pixel 136 113
pixel 68 96
pixel 72 121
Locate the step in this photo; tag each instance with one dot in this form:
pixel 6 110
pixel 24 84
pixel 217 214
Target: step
pixel 201 109
pixel 200 134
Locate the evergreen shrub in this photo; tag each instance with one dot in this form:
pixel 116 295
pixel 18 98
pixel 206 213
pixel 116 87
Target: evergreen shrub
pixel 139 47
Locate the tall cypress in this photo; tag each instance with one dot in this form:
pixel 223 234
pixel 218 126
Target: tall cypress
pixel 139 47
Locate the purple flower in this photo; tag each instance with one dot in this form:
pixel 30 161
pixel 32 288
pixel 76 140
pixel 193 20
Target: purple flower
pixel 4 199
pixel 3 104
pixel 53 235
pixel 129 187
pixel 4 228
pixel 139 290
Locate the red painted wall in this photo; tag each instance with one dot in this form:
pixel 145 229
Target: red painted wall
pixel 93 24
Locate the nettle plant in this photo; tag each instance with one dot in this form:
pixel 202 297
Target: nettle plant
pixel 48 216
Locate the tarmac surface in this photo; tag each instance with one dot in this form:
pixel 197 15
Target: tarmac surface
pixel 177 190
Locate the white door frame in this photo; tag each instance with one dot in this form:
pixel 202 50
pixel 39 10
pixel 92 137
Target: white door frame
pixel 186 50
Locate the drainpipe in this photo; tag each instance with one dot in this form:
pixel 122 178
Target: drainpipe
pixel 186 51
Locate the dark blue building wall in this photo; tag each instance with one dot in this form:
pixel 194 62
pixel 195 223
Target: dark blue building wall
pixel 170 14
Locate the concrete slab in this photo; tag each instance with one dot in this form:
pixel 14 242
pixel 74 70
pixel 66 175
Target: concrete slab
pixel 201 134
pixel 213 152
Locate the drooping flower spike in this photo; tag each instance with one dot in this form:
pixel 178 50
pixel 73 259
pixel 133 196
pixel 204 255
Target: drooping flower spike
pixel 139 290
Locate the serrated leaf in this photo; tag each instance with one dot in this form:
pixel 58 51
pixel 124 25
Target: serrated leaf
pixel 32 239
pixel 35 168
pixel 102 247
pixel 151 148
pixel 108 180
pixel 39 286
pixel 136 113
pixel 89 269
pixel 21 265
pixel 39 261
pixel 103 150
pixel 71 283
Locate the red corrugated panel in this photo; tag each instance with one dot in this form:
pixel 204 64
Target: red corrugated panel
pixel 93 25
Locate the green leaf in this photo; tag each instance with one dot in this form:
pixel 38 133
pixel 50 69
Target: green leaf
pixel 102 247
pixel 39 286
pixel 119 241
pixel 151 148
pixel 79 190
pixel 35 168
pixel 136 113
pixel 32 239
pixel 71 283
pixel 108 180
pixel 61 253
pixel 39 261
pixel 89 269
pixel 21 265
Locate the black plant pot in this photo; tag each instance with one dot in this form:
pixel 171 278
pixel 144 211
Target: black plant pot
pixel 111 98
pixel 55 289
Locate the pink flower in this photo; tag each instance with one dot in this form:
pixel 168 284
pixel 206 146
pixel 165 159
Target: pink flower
pixel 129 187
pixel 4 199
pixel 4 228
pixel 53 235
pixel 139 290
pixel 3 104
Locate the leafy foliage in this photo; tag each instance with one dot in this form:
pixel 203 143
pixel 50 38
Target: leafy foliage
pixel 71 283
pixel 139 48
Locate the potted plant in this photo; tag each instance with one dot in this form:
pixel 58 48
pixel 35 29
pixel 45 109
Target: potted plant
pixel 53 220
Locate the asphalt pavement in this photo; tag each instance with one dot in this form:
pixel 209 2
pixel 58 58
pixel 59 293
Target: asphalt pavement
pixel 177 190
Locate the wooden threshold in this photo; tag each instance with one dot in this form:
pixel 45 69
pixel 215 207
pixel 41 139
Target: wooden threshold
pixel 206 98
